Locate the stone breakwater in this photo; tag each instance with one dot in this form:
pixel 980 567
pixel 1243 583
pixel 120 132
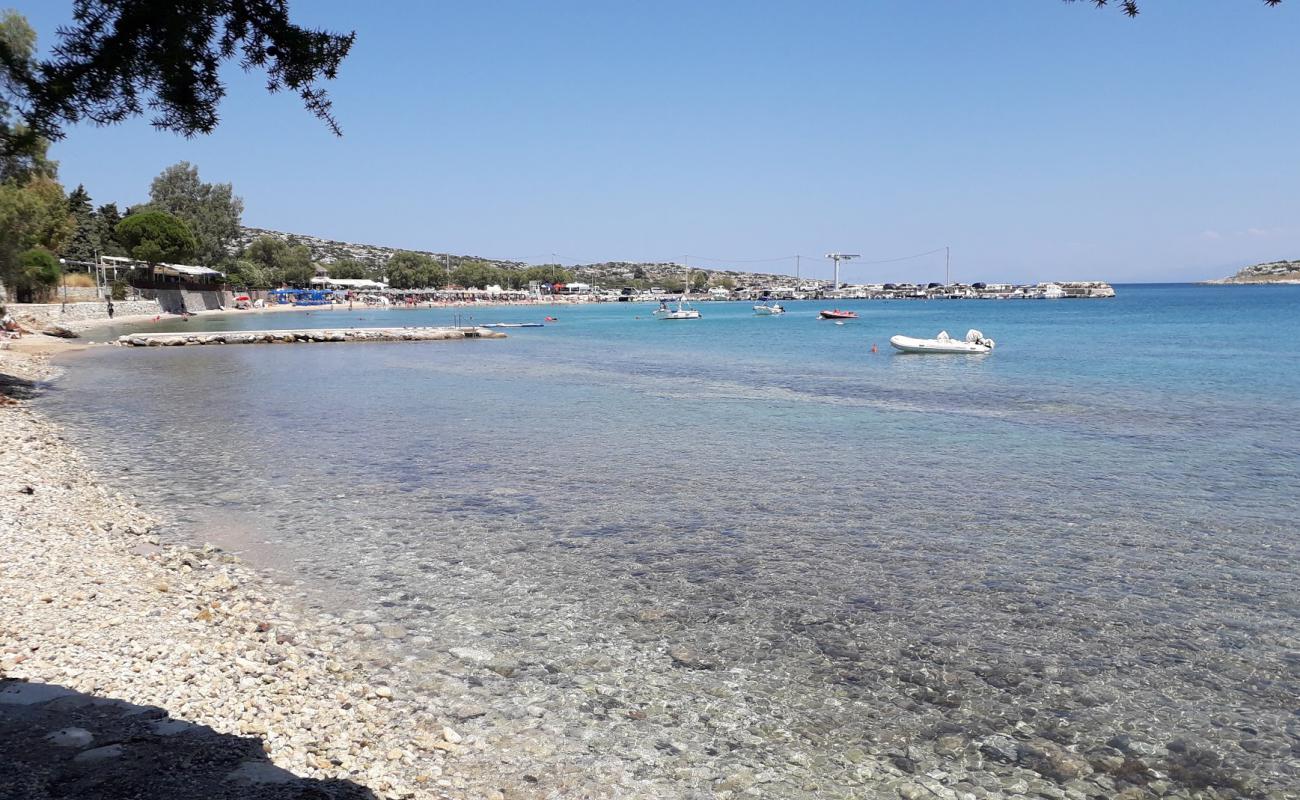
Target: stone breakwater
pixel 293 336
pixel 92 602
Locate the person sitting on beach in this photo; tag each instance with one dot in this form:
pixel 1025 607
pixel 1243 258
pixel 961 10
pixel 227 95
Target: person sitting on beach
pixel 10 326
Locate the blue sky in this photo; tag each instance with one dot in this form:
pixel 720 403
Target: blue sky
pixel 1037 139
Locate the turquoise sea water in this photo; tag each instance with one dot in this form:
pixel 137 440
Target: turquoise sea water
pixel 1090 533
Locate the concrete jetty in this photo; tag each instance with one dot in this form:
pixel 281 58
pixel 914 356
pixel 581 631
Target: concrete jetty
pixel 184 338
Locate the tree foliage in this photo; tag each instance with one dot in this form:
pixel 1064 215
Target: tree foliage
pixel 120 57
pixel 1130 7
pixel 283 263
pixel 22 150
pixel 407 270
pixel 84 244
pixel 34 214
pixel 211 210
pixel 545 273
pixel 250 275
pixel 106 218
pixel 350 269
pixel 38 269
pixel 156 237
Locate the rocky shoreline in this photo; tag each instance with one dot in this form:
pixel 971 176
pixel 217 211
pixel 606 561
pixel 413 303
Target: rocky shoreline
pixel 1272 272
pixel 91 601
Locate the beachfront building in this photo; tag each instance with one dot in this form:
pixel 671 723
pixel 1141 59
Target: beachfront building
pixel 178 288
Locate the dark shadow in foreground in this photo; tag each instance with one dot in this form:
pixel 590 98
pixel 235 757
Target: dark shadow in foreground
pixel 58 743
pixel 16 388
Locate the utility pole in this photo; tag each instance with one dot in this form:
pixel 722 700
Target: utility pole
pixel 837 258
pixel 796 272
pixel 947 275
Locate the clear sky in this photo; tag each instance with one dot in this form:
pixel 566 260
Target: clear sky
pixel 1037 139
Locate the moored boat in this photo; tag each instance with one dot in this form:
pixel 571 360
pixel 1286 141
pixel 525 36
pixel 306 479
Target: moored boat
pixel 768 309
pixel 836 313
pixel 974 343
pixel 683 310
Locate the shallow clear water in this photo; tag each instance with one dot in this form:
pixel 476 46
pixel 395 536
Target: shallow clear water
pixel 855 557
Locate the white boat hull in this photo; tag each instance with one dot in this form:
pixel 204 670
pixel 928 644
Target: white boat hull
pixel 686 314
pixel 767 311
pixel 909 345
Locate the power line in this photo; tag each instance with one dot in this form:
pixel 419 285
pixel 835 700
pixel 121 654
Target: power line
pixel 904 258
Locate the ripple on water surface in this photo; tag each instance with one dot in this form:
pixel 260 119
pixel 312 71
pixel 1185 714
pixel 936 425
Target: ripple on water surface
pixel 670 565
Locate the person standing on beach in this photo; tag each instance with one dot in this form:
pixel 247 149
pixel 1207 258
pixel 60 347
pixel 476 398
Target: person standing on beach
pixel 110 308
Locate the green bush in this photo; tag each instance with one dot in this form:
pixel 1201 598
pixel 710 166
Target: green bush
pixel 118 290
pixel 37 274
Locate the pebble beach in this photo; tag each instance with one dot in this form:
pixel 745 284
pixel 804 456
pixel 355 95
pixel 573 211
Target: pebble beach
pixel 428 610
pixel 92 601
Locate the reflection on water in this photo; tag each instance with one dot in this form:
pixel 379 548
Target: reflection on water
pixel 735 549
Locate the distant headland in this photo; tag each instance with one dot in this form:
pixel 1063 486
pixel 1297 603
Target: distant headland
pixel 1271 272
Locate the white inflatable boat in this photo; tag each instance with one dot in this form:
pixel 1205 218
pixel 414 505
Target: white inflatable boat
pixel 943 343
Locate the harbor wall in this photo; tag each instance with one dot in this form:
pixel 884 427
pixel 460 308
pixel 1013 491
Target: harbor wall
pixel 38 316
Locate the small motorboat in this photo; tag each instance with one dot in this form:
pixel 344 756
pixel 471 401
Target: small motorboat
pixel 835 313
pixel 767 310
pixel 513 325
pixel 683 310
pixel 975 342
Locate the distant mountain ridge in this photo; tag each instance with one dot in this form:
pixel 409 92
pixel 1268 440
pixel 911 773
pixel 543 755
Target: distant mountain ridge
pixel 1270 272
pixel 608 274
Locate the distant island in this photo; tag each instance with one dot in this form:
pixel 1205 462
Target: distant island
pixel 1271 272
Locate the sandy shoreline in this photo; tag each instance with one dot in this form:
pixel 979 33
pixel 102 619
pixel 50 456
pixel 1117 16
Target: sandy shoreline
pixel 92 601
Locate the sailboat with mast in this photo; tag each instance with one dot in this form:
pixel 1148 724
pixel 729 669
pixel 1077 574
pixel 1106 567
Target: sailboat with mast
pixel 683 310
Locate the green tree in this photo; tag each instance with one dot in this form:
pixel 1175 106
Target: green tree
pixel 476 274
pixel 284 263
pixel 349 269
pixel 34 214
pixel 37 271
pixel 699 280
pixel 156 237
pixel 118 58
pixel 546 273
pixel 250 275
pixel 407 270
pixel 211 210
pixel 83 245
pixel 106 218
pixel 22 150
